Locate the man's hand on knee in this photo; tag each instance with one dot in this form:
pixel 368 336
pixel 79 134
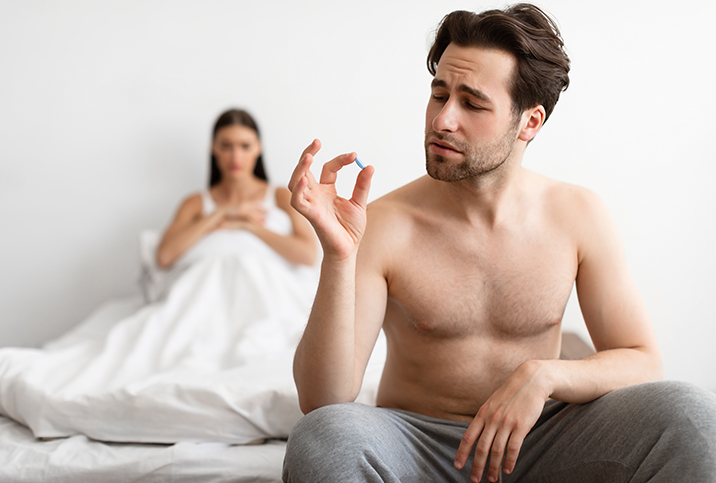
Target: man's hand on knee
pixel 502 423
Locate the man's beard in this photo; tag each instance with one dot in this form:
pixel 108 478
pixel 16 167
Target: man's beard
pixel 477 162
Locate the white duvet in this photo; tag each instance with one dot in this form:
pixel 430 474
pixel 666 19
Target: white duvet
pixel 210 361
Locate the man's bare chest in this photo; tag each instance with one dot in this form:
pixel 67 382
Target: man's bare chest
pixel 511 290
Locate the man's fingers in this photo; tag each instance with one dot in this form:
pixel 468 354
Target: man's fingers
pixel 304 163
pixel 312 148
pixel 468 440
pixel 298 195
pixel 362 187
pixel 513 450
pixel 496 454
pixel 302 170
pixel 482 451
pixel 329 173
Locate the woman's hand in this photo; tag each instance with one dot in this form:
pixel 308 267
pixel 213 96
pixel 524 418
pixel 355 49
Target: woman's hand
pixel 241 217
pixel 339 223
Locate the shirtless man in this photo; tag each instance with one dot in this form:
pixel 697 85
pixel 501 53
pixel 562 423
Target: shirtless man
pixel 468 271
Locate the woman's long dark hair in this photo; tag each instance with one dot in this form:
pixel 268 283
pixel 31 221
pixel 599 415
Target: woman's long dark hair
pixel 235 117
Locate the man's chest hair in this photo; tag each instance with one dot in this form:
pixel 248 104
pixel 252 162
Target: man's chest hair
pixel 510 291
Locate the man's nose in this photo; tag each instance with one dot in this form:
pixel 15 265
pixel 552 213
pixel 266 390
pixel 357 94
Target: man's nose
pixel 446 119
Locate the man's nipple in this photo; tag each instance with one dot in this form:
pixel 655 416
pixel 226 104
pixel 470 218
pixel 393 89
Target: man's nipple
pixel 423 327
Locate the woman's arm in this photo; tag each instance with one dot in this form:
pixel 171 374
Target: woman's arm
pixel 298 247
pixel 187 228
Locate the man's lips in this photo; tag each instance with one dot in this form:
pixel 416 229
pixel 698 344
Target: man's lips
pixel 439 146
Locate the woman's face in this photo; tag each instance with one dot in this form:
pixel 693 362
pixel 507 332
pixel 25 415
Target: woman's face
pixel 236 149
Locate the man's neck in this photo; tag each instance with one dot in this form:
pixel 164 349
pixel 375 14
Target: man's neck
pixel 487 199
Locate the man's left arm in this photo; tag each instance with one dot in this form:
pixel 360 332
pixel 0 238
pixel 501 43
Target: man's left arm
pixel 620 329
pixel 614 313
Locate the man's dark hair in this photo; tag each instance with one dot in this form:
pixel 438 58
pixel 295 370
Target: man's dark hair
pixel 235 117
pixel 522 30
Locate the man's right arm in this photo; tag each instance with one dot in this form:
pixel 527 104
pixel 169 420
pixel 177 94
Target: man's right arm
pixel 331 358
pixel 333 353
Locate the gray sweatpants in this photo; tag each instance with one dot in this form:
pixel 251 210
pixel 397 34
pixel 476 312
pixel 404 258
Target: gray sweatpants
pixel 657 432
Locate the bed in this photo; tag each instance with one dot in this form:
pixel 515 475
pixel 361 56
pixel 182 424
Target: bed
pixel 189 381
pixel 168 426
pixel 78 458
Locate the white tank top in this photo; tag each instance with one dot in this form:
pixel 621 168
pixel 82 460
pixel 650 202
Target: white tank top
pixel 238 242
pixel 277 220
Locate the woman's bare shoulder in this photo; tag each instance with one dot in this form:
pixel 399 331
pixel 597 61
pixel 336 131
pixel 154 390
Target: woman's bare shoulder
pixel 194 200
pixel 283 197
pixel 191 206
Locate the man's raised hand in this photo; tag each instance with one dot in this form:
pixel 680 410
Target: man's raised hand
pixel 339 223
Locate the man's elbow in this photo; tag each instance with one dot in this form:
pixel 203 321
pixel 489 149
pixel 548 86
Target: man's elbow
pixel 310 399
pixel 308 404
pixel 657 369
pixel 311 404
pixel 654 367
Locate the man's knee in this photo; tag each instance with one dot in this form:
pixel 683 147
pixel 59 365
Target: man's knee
pixel 682 417
pixel 324 442
pixel 673 403
pixel 690 412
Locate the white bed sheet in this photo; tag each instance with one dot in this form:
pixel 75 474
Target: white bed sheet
pixel 78 459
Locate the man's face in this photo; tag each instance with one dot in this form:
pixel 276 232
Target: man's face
pixel 470 128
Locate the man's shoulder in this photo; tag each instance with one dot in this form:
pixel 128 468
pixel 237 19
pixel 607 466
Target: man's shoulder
pixel 575 209
pixel 400 201
pixel 393 216
pixel 565 197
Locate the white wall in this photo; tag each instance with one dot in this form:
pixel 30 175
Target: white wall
pixel 106 109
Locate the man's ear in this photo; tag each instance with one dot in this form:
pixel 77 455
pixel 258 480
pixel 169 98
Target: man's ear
pixel 532 120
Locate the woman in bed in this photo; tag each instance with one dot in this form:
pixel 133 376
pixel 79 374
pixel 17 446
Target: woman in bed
pixel 209 360
pixel 239 198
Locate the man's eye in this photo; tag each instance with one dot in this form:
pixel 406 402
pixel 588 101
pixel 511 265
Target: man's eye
pixel 439 97
pixel 474 107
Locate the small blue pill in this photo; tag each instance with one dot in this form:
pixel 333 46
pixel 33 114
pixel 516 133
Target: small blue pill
pixel 359 163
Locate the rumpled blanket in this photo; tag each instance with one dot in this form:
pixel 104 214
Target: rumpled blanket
pixel 210 361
